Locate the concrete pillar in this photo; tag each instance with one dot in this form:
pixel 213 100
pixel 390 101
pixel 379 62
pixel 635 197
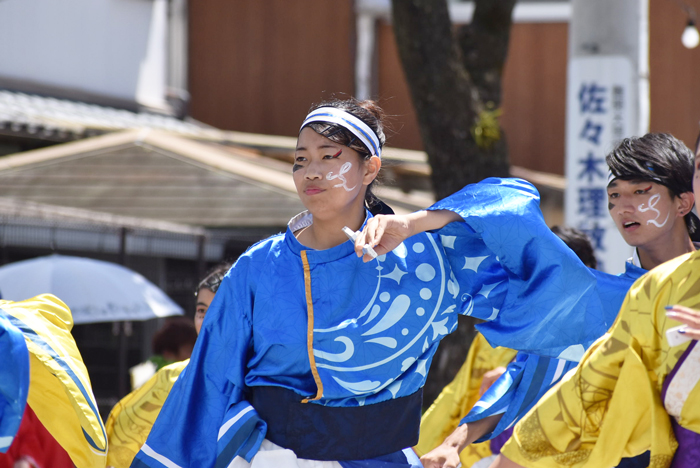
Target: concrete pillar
pixel 607 100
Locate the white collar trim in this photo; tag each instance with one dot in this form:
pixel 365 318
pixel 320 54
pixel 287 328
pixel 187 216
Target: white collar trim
pixel 634 260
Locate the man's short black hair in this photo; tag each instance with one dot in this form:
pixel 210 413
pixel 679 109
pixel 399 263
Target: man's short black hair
pixel 657 157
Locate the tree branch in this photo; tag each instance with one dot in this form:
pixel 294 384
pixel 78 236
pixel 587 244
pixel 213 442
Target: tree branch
pixel 440 87
pixel 484 46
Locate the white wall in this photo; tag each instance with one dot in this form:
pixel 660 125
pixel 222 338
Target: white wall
pixel 113 48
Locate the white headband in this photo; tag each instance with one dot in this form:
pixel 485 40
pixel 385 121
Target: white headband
pixel 612 177
pixel 358 128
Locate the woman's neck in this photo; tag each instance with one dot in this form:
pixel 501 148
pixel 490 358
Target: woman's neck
pixel 664 249
pixel 328 233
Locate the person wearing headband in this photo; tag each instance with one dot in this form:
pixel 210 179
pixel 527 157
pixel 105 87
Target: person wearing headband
pixel 655 171
pixel 347 129
pixel 637 390
pixel 315 350
pixel 650 194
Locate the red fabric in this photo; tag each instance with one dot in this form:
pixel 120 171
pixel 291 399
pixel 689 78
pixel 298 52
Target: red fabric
pixel 34 441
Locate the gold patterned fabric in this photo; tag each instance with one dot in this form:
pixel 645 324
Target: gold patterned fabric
pixel 611 407
pixel 457 398
pixel 131 419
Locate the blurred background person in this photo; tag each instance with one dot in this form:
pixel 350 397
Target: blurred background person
pixel 173 342
pixel 130 421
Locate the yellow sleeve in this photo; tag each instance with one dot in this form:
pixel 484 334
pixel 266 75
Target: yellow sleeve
pixel 131 420
pixel 60 392
pixel 457 398
pixel 610 407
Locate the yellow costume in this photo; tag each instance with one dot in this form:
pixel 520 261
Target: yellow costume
pixel 457 399
pixel 611 406
pixel 131 419
pixel 59 391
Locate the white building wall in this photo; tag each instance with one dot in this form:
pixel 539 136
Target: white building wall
pixel 112 48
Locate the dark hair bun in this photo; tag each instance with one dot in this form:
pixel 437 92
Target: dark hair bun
pixel 376 111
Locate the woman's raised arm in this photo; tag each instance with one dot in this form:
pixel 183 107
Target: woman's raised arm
pixel 385 232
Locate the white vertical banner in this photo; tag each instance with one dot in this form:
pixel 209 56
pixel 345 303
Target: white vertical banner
pixel 600 112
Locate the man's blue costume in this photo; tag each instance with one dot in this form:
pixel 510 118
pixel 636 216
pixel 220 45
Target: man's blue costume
pixel 530 376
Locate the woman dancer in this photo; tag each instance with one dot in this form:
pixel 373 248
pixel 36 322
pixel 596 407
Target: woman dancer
pixel 310 354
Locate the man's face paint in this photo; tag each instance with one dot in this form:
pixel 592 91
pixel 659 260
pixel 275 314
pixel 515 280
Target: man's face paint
pixel 653 201
pixel 612 193
pixel 634 205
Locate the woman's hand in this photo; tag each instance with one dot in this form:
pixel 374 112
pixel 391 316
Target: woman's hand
pixel 385 232
pixel 446 455
pixel 442 456
pixel 690 317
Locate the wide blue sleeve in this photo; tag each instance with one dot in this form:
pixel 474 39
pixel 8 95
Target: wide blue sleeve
pixel 205 420
pixel 14 380
pixel 533 291
pixel 525 381
pixel 529 377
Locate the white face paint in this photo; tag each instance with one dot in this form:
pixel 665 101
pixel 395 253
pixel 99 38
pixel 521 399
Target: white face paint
pixel 343 183
pixel 653 200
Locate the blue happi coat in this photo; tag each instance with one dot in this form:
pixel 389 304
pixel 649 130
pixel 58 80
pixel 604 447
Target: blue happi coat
pixel 341 333
pixel 530 376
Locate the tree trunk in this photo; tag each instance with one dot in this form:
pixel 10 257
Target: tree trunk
pixel 454 77
pixel 455 85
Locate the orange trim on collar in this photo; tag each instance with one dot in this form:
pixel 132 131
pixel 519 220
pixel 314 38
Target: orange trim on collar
pixel 310 329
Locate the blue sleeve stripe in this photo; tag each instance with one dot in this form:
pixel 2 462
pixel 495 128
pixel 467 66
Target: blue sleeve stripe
pixel 487 408
pixel 161 460
pixel 235 446
pixel 518 390
pixel 227 425
pixel 535 383
pixel 252 445
pixel 500 396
